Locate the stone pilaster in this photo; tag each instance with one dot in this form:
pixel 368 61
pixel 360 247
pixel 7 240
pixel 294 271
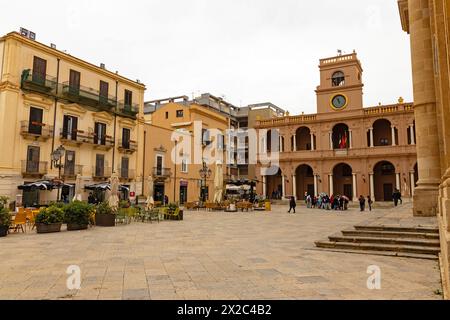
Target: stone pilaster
pixel 428 154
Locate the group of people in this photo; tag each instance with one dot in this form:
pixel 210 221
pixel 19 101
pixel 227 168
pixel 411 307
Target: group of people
pixel 362 203
pixel 325 202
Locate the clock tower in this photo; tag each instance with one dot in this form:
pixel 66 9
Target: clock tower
pixel 341 87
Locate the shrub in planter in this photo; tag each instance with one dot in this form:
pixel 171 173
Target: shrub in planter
pixel 49 220
pixel 5 217
pixel 77 215
pixel 105 216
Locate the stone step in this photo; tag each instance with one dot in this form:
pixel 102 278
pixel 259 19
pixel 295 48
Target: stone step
pixel 393 241
pixel 419 229
pixel 390 234
pixel 382 253
pixel 378 247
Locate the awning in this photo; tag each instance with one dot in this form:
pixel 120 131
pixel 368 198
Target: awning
pixel 42 185
pixel 104 187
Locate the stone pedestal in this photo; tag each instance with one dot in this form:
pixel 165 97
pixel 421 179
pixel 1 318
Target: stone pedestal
pixel 425 201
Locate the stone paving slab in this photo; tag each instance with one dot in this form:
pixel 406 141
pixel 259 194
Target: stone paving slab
pixel 213 256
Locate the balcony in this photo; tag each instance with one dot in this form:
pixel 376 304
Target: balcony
pixel 101 173
pixel 75 138
pixel 35 130
pixel 34 168
pixel 71 172
pixel 162 173
pixel 88 96
pixel 105 143
pixel 126 174
pixel 128 147
pixel 128 110
pixel 36 82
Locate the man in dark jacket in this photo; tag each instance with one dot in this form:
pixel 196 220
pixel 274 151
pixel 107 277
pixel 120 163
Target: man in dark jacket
pixel 292 205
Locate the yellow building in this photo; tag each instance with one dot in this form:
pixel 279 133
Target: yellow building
pixel 176 174
pixel 428 23
pixel 50 99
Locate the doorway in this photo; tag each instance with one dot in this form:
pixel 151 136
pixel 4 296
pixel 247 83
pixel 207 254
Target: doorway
pixel 159 192
pixel 183 194
pixel 388 190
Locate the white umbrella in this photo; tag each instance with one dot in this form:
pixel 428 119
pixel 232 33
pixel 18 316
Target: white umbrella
pixel 78 190
pixel 114 198
pixel 150 201
pixel 218 183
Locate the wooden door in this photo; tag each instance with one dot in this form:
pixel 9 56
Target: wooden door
pixel 39 70
pixel 35 121
pixel 74 82
pixel 33 155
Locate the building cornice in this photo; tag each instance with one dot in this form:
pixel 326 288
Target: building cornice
pixel 404 14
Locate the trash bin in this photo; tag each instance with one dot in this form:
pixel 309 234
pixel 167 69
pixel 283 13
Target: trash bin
pixel 268 206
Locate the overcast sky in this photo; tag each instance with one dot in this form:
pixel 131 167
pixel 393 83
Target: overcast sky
pixel 248 51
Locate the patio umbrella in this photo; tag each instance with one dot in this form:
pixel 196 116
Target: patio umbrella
pixel 78 190
pixel 218 183
pixel 114 198
pixel 150 201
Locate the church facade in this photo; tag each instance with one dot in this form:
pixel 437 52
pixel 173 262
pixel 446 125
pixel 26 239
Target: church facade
pixel 343 149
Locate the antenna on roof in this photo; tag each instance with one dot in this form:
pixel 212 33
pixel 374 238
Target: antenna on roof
pixel 339 52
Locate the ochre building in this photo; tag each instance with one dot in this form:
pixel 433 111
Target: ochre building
pixel 428 23
pixel 49 100
pixel 343 149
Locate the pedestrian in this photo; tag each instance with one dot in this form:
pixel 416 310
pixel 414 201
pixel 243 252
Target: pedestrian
pixel 370 202
pixel 341 203
pixel 292 205
pixel 166 200
pixel 362 203
pixel 395 197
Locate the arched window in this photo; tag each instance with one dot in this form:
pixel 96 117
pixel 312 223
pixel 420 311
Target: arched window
pixel 338 79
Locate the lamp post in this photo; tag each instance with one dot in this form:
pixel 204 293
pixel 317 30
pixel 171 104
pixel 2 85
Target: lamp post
pixel 205 173
pixel 57 156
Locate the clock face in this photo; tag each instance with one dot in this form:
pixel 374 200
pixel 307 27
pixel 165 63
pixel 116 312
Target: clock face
pixel 339 102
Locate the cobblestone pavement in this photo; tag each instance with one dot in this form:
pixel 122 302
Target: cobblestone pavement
pixel 211 256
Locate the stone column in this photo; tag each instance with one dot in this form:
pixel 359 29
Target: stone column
pixel 371 137
pixel 372 186
pixel 265 186
pixel 427 191
pixel 355 189
pixel 331 141
pixel 280 144
pixel 397 182
pixel 393 136
pixel 316 186
pixel 412 182
pixel 294 186
pixel 331 182
pixel 295 143
pixel 283 186
pixel 413 138
pixel 350 135
pixel 313 147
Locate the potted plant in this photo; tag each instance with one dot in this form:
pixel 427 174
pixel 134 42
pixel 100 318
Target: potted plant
pixel 105 216
pixel 49 220
pixel 5 217
pixel 77 215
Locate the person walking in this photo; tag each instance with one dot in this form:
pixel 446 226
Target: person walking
pixel 395 197
pixel 292 205
pixel 362 203
pixel 370 202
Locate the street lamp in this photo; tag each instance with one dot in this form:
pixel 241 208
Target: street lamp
pixel 205 173
pixel 57 156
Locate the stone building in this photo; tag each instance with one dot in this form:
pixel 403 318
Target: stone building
pixel 49 99
pixel 428 23
pixel 344 148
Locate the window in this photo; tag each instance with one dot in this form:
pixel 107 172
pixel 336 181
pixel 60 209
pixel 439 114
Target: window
pixel 126 134
pixel 338 79
pixel 104 91
pixel 35 121
pixel 33 157
pixel 100 133
pixel 220 142
pixel 128 98
pixel 70 128
pixel 159 165
pixel 74 82
pixel 69 166
pixel 184 166
pixel 167 115
pixel 206 139
pixel 39 70
pixel 180 113
pixel 99 165
pixel 124 167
